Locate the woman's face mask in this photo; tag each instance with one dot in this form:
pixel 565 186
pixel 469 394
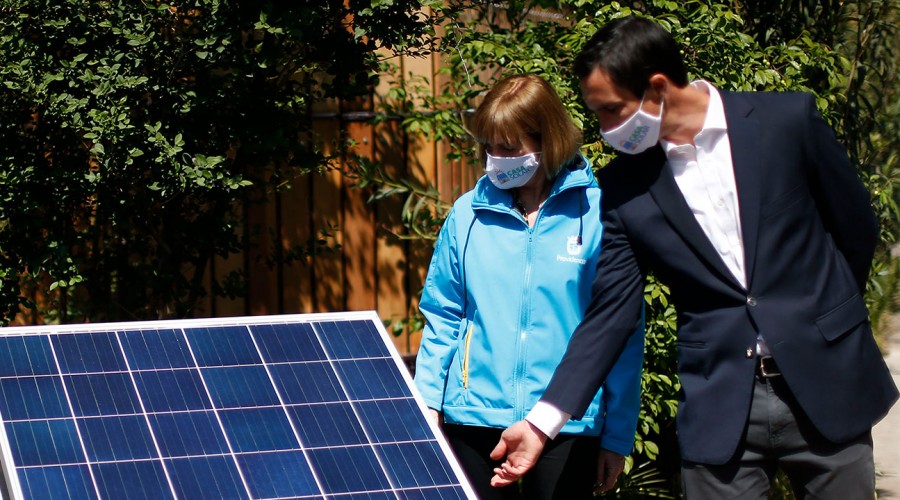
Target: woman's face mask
pixel 511 172
pixel 636 134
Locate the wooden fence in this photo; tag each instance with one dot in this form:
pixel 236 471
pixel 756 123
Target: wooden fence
pixel 374 269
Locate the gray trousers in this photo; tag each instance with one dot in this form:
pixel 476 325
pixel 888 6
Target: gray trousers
pixel 779 435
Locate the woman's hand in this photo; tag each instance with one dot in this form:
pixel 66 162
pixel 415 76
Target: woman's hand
pixel 609 466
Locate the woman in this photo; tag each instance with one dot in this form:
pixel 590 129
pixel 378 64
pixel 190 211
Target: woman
pixel 509 280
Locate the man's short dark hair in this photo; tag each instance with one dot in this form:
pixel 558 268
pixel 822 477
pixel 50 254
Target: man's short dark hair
pixel 630 49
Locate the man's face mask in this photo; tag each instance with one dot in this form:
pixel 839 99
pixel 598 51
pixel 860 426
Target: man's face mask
pixel 636 134
pixel 511 172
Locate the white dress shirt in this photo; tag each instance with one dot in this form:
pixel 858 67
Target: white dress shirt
pixel 704 173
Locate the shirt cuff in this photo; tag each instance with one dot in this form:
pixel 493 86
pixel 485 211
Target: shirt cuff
pixel 547 418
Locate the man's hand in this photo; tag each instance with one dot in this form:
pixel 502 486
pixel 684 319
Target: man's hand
pixel 436 416
pixel 609 466
pixel 521 444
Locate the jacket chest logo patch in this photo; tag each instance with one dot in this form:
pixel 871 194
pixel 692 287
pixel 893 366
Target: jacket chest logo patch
pixel 573 246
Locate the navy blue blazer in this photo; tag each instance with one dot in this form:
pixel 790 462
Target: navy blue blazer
pixel 809 238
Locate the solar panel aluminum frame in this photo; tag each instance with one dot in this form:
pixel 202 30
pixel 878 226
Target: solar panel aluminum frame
pixel 12 487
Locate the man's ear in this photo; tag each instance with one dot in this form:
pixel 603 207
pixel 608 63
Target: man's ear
pixel 659 85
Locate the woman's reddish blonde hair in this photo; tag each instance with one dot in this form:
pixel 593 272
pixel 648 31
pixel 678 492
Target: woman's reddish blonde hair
pixel 523 105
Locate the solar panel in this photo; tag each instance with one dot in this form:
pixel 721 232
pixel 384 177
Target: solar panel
pixel 293 406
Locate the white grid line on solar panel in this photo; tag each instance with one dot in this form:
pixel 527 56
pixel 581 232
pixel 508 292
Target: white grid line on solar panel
pixel 201 367
pixel 133 459
pixel 208 410
pixel 237 453
pixel 151 412
pixel 354 403
pixel 222 426
pixel 77 430
pixel 216 414
pixel 455 489
pixel 378 457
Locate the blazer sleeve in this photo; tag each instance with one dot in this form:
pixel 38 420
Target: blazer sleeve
pixel 612 315
pixel 622 396
pixel 841 198
pixel 441 304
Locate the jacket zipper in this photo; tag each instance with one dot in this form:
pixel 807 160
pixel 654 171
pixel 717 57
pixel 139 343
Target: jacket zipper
pixel 524 321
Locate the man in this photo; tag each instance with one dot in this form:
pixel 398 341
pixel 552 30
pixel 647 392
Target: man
pixel 746 206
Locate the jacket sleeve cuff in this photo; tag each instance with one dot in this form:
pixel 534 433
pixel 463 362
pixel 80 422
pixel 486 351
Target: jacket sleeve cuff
pixel 621 446
pixel 548 418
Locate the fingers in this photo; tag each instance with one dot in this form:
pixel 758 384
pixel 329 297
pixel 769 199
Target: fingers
pixel 507 474
pixel 501 479
pixel 605 486
pixel 606 481
pixel 499 451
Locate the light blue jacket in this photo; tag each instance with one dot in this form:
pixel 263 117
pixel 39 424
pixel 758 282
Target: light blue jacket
pixel 501 301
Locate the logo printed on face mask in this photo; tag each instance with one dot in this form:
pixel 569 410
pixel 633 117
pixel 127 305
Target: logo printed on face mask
pixel 636 137
pixel 503 178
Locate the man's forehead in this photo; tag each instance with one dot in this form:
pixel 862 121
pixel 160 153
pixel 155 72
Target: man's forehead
pixel 598 88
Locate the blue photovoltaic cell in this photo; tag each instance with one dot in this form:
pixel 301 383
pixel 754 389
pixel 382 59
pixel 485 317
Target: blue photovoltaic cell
pixel 371 379
pixel 228 346
pixel 332 424
pixel 393 420
pixel 289 343
pixel 70 481
pixel 172 390
pixel 302 406
pixel 293 382
pixel 132 480
pixel 102 394
pixel 44 442
pixel 240 386
pixel 116 438
pixel 183 434
pixel 15 403
pixel 337 477
pixel 206 477
pixel 87 353
pixel 258 429
pixel 148 349
pixel 26 356
pixel 279 475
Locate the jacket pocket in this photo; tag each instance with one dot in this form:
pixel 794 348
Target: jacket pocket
pixel 843 318
pixel 692 358
pixel 465 361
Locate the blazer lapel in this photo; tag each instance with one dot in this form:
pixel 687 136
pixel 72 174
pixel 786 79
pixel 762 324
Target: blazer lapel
pixel 668 197
pixel 744 137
